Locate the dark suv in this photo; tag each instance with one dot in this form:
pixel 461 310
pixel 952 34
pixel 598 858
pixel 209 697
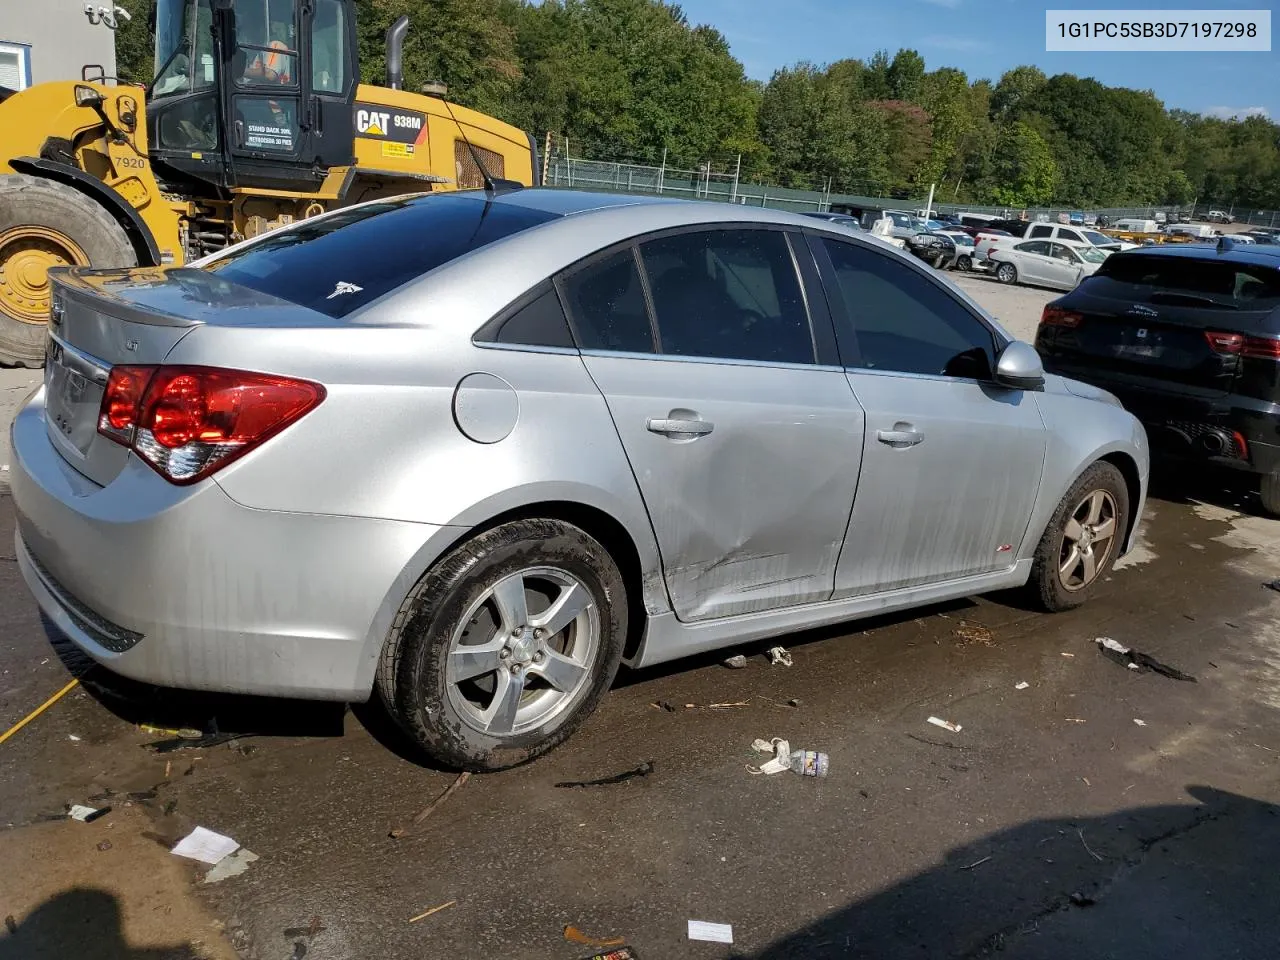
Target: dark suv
pixel 1188 337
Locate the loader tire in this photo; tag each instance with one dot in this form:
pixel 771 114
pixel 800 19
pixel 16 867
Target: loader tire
pixel 45 224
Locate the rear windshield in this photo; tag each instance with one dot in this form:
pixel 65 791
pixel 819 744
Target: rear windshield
pixel 1215 282
pixel 341 262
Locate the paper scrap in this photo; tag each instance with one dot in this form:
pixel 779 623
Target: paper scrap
pixel 83 814
pixel 1141 723
pixel 1021 686
pixel 72 736
pixel 781 761
pixel 946 724
pixel 231 866
pixel 205 846
pixel 712 932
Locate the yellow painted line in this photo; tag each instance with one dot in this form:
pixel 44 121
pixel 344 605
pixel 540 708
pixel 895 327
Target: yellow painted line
pixel 39 710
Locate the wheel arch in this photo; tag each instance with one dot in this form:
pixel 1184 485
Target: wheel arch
pixel 1128 468
pixel 140 236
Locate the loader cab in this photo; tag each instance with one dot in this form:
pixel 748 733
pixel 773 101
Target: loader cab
pixel 253 93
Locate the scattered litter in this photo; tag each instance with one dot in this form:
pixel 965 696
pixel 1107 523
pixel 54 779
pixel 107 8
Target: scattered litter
pixel 945 724
pixel 1070 655
pixel 39 710
pixel 299 950
pixel 430 808
pixel 972 632
pixel 1080 900
pixel 188 743
pixel 1021 686
pixel 643 770
pixel 779 656
pixel 11 924
pixel 309 931
pixel 711 932
pixel 231 866
pixel 1273 585
pixel 168 765
pixel 976 863
pixel 1141 723
pixel 717 706
pixel 1085 781
pixel 807 763
pixel 86 814
pixel 104 846
pixel 663 705
pixel 427 913
pixel 73 737
pixel 1074 720
pixel 574 935
pixel 616 953
pixel 1136 660
pixel 1080 834
pixel 186 733
pixel 205 846
pixel 736 662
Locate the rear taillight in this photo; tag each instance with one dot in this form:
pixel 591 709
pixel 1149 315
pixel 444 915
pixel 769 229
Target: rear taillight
pixel 187 422
pixel 1261 348
pixel 1237 344
pixel 1228 343
pixel 1060 317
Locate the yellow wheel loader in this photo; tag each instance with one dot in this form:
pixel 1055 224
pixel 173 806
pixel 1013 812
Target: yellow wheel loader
pixel 255 118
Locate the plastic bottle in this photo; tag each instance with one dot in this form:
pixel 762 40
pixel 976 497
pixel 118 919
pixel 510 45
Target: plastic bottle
pixel 809 763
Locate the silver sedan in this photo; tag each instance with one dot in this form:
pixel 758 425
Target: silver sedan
pixel 474 452
pixel 1045 263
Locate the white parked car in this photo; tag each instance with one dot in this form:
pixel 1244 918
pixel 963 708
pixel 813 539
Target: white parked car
pixel 965 244
pixel 1045 263
pixel 1076 236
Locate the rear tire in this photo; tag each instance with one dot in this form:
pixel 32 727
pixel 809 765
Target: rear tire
pixel 1068 567
pixel 1270 493
pixel 964 264
pixel 45 224
pixel 468 670
pixel 1007 273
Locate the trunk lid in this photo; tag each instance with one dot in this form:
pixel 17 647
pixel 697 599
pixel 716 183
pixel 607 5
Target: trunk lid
pixel 1139 325
pixel 102 319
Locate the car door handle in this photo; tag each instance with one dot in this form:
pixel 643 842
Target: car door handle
pixel 900 438
pixel 680 428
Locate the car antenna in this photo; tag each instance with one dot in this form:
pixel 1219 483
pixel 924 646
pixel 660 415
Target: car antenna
pixel 493 186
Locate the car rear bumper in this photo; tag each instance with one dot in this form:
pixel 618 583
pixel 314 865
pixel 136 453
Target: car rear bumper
pixel 184 587
pixel 1187 425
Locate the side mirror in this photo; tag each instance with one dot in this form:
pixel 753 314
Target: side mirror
pixel 1019 367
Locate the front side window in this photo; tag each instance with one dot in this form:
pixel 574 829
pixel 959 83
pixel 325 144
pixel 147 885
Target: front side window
pixel 728 294
pixel 605 300
pixel 1063 252
pixel 1070 235
pixel 266 43
pixel 329 47
pixel 904 321
pixel 337 263
pixel 184 47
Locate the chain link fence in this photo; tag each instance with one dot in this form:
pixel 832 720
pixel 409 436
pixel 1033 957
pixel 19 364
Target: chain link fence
pixel 722 181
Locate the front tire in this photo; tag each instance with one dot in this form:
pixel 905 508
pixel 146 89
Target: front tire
pixel 42 225
pixel 1082 540
pixel 1269 492
pixel 964 264
pixel 506 646
pixel 1007 273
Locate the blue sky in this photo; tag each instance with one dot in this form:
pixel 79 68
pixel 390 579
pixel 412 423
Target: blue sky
pixel 986 37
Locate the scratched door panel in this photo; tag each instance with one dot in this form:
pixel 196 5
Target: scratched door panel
pixel 749 516
pixel 954 503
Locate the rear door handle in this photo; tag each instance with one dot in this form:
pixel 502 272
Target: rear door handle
pixel 908 437
pixel 680 429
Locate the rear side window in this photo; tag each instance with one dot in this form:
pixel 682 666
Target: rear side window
pixel 1233 286
pixel 342 262
pixel 538 322
pixel 1041 231
pixel 606 302
pixel 1069 235
pixel 1034 246
pixel 728 294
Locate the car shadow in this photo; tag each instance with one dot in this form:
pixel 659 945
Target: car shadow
pixel 1142 882
pixel 80 922
pixel 1188 482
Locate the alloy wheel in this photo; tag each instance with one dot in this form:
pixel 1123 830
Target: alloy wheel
pixel 1087 540
pixel 524 652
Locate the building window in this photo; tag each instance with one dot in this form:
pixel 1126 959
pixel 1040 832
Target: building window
pixel 15 65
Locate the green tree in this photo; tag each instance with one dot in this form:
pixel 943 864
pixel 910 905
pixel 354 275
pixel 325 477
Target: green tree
pixel 1014 87
pixel 1024 168
pixel 135 43
pixel 906 76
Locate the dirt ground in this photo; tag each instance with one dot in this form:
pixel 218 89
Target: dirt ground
pixel 1095 812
